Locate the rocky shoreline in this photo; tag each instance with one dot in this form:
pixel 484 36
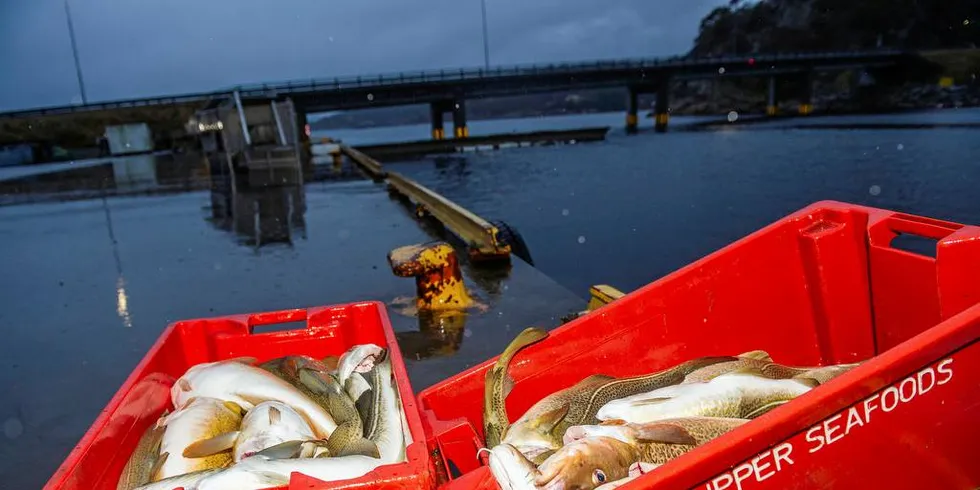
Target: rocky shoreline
pixel 910 96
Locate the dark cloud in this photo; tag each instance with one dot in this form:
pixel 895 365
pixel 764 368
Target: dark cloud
pixel 158 47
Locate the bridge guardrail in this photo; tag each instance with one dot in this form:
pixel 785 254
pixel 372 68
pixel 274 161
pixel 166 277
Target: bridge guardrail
pixel 456 75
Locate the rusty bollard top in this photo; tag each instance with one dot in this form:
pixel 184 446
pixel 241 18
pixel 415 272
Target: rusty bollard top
pixel 438 279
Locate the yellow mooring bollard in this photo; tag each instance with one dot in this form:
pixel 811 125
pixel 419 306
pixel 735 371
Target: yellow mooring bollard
pixel 438 279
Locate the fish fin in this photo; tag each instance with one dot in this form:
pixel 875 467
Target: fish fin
pixel 213 445
pixel 507 384
pixel 763 409
pixel 550 419
pixel 234 407
pixel 283 450
pixel 759 355
pixel 243 359
pixel 275 416
pixel 184 385
pixel 649 401
pixel 807 381
pixel 157 468
pixel 361 447
pixel 665 434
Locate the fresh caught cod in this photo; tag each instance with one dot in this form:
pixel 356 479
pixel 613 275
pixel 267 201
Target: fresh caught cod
pixel 539 431
pixel 202 418
pixel 511 469
pixel 189 481
pixel 247 385
pixel 594 461
pixel 348 439
pixel 383 422
pixel 264 426
pixel 142 463
pixel 358 359
pixel 740 394
pixel 258 472
pixel 498 384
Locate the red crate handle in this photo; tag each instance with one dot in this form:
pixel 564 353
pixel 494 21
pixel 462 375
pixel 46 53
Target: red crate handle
pixel 274 317
pixel 882 232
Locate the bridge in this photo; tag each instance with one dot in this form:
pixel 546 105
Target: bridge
pixel 448 90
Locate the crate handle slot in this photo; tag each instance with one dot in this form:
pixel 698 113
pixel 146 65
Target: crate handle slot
pixel 923 227
pixel 275 317
pixel 884 232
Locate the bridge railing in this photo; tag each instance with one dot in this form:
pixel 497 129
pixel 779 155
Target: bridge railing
pixel 457 75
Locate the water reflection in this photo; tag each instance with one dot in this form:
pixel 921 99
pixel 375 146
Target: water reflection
pixel 259 216
pixel 87 179
pixel 439 334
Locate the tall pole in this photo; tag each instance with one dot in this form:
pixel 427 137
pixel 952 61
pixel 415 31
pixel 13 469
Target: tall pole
pixel 74 52
pixel 486 45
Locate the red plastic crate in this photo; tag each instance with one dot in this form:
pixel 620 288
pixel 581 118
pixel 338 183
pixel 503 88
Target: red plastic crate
pixel 822 286
pixel 99 457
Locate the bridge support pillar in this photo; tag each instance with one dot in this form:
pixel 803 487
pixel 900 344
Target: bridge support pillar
pixel 661 111
pixel 806 98
pixel 459 119
pixel 436 110
pixel 771 106
pixel 632 106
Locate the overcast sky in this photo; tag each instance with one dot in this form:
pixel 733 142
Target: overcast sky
pixel 133 48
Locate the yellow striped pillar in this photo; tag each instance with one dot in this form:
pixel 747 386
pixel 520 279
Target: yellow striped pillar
pixel 632 106
pixel 459 119
pixel 436 109
pixel 771 110
pixel 661 108
pixel 806 109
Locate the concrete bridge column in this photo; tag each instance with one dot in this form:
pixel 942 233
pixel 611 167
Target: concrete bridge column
pixel 632 106
pixel 459 119
pixel 436 111
pixel 771 107
pixel 806 98
pixel 660 109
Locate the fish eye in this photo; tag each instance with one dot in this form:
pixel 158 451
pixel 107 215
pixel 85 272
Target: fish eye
pixel 599 477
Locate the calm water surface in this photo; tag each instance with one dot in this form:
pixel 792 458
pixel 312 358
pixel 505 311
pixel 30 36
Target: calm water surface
pixel 90 283
pixel 633 208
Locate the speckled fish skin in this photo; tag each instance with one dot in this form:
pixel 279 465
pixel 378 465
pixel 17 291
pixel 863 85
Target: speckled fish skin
pixel 248 386
pixel 498 384
pixel 735 395
pixel 539 431
pixel 385 427
pixel 139 467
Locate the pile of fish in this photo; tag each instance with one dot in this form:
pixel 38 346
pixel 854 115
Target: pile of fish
pixel 605 431
pixel 245 426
